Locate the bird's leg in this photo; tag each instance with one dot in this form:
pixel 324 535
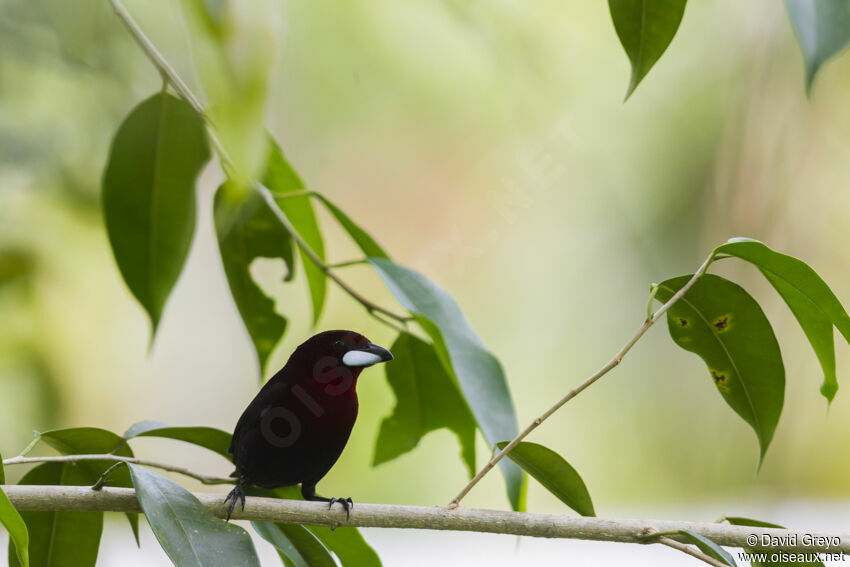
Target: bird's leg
pixel 308 491
pixel 235 495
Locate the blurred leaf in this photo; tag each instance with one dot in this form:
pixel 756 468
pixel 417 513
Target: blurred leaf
pixel 14 264
pixel 645 29
pixel 95 441
pixel 210 438
pixel 18 536
pixel 366 243
pixel 295 544
pixel 822 28
pixel 149 196
pixel 427 399
pixel 186 530
pixel 477 371
pixel 720 322
pixel 738 521
pixel 807 295
pixel 2 471
pixel 281 179
pixel 554 473
pixel 60 539
pixel 212 13
pixel 247 229
pixel 704 544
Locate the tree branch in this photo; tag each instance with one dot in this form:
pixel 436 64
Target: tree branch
pixel 118 459
pixel 610 365
pixel 64 498
pixel 170 75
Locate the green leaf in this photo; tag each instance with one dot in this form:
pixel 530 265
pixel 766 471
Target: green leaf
pixel 95 441
pixel 186 530
pixel 823 30
pixel 807 295
pixel 60 539
pixel 210 438
pixel 247 229
pixel 645 29
pixel 739 521
pixel 296 544
pixel 360 237
pixel 554 473
pixel 704 544
pixel 427 399
pixel 149 196
pixel 720 322
pixel 478 372
pixel 18 535
pixel 281 179
pixel 14 264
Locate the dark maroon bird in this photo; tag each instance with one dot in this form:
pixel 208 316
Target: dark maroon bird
pixel 298 424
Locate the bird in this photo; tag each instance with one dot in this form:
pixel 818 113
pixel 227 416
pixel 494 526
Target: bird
pixel 299 422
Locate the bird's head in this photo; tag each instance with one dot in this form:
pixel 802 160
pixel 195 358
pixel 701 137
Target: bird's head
pixel 351 349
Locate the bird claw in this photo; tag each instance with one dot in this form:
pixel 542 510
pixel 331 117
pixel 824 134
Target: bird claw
pixel 235 495
pixel 347 504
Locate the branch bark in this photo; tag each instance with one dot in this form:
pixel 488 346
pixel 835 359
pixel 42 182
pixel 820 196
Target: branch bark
pixel 64 498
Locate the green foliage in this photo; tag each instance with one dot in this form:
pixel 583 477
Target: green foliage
pixel 427 399
pixel 823 30
pixel 17 528
pixel 720 322
pixel 645 29
pixel 554 473
pixel 739 521
pixel 247 229
pixel 186 530
pixel 149 196
pixel 807 295
pixel 210 438
pixel 14 264
pixel 297 546
pixel 360 237
pixel 60 539
pixel 478 372
pixel 704 544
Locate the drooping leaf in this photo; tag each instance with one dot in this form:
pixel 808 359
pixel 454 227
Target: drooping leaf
pixel 149 196
pixel 807 295
pixel 247 229
pixel 720 322
pixel 739 521
pixel 554 473
pixel 704 544
pixel 95 441
pixel 823 30
pixel 210 438
pixel 645 29
pixel 60 539
pixel 478 372
pixel 18 535
pixel 295 544
pixel 188 533
pixel 427 399
pixel 360 237
pixel 281 179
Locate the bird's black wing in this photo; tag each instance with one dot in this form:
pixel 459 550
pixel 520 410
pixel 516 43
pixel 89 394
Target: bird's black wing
pixel 250 418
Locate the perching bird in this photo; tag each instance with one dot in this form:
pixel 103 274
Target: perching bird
pixel 298 424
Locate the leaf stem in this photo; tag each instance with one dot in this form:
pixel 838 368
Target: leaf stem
pixel 610 365
pixel 690 550
pixel 170 74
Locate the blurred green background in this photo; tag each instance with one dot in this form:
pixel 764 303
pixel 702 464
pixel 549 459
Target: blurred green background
pixel 485 144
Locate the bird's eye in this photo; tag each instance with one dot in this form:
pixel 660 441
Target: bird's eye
pixel 339 346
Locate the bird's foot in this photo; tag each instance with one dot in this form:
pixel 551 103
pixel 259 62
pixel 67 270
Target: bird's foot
pixel 347 504
pixel 235 495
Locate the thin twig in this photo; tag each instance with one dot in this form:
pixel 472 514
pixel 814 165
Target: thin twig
pixel 610 365
pixel 118 459
pixel 111 499
pixel 348 263
pixel 101 482
pixel 690 550
pixel 171 75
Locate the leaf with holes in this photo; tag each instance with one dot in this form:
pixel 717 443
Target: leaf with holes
pixel 720 322
pixel 807 295
pixel 60 539
pixel 738 521
pixel 554 473
pixel 464 356
pixel 210 438
pixel 282 179
pixel 427 399
pixel 17 528
pixel 645 29
pixel 823 30
pixel 188 533
pixel 149 196
pixel 247 229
